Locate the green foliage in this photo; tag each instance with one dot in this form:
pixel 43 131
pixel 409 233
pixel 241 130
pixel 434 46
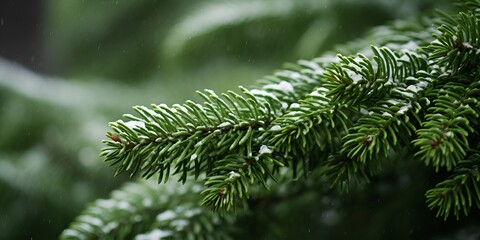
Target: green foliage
pixel 137 210
pixel 340 120
pixel 233 138
pixel 459 192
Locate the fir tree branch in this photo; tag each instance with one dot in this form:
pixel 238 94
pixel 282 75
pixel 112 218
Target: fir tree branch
pixel 459 192
pixel 443 138
pixel 145 210
pixel 458 43
pixel 356 109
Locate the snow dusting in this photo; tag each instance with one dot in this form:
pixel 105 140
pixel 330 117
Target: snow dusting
pixel 262 93
pixel 264 149
pixel 413 88
pixel 154 235
pixel 165 216
pixel 147 202
pixel 233 174
pixel 224 124
pixel 199 144
pixel 92 220
pixel 295 105
pixel 106 203
pixel 387 114
pixel 410 46
pixel 134 124
pixel 393 101
pixel 109 227
pixel 404 109
pixel 356 77
pixel 316 94
pixel 283 86
pixel 125 206
pixel 276 128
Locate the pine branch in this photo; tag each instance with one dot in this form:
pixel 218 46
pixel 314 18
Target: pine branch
pixel 355 110
pixel 458 44
pixel 459 192
pixel 443 139
pixel 145 210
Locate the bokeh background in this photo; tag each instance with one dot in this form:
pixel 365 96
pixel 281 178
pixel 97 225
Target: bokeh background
pixel 67 68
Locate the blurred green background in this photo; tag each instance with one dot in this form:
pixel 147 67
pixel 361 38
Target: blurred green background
pixel 67 68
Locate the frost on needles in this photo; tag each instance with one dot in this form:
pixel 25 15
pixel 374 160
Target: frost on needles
pixel 343 117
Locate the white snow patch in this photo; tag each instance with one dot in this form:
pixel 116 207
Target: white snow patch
pixel 262 93
pixel 147 202
pixel 134 124
pixel 413 88
pixel 387 114
pixel 356 77
pixel 92 220
pixel 73 233
pixel 407 94
pixel 193 212
pixel 328 59
pixel 410 46
pixel 106 203
pixel 109 227
pixel 233 174
pixel 276 128
pixel 316 94
pixel 319 71
pixel 154 235
pixel 449 134
pixel 363 111
pixel 389 82
pixel 179 224
pixel 125 206
pixel 309 64
pixel 283 86
pixel 295 75
pixel 393 101
pixel 224 124
pixel 264 149
pixel 165 216
pixel 405 58
pixel 404 109
pixel 198 144
pixel 467 45
pixel 295 105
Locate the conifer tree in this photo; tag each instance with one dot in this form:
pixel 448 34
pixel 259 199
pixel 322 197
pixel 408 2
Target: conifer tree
pixel 332 123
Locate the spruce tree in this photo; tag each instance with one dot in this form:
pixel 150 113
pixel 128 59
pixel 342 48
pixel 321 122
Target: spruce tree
pixel 327 128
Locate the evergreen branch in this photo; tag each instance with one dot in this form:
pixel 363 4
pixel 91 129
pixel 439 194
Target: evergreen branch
pixel 458 44
pixel 183 134
pixel 311 122
pixel 145 210
pixel 375 133
pixel 443 138
pixel 228 182
pixel 459 192
pixel 189 137
pixel 345 172
pixel 364 81
pixel 357 109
